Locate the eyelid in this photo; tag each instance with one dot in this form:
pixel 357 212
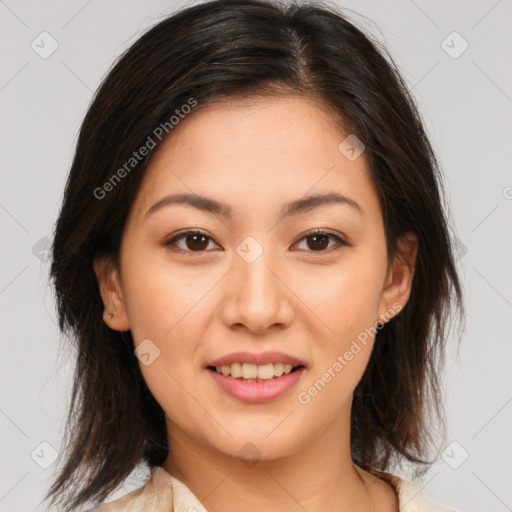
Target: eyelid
pixel 341 239
pixel 182 234
pixel 324 231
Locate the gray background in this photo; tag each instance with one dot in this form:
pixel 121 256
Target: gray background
pixel 466 103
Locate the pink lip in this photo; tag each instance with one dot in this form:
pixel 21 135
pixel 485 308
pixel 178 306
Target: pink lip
pixel 260 359
pixel 254 391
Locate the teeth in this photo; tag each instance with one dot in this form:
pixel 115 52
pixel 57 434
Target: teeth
pixel 265 371
pixel 253 371
pixel 236 370
pixel 249 371
pixel 278 369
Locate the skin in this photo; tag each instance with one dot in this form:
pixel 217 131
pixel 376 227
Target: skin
pixel 310 303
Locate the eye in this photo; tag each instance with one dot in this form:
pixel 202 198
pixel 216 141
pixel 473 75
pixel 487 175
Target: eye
pixel 195 240
pixel 318 240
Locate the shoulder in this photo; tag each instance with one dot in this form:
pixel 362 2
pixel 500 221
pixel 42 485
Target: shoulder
pixel 164 492
pixel 157 492
pixel 396 493
pixel 160 492
pixel 412 498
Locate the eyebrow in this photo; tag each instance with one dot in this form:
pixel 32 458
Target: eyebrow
pixel 292 208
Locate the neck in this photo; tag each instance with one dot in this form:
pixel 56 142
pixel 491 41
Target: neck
pixel 316 477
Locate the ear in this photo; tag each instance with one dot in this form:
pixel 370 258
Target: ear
pixel 398 284
pixel 111 294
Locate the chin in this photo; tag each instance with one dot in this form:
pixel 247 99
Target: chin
pixel 252 447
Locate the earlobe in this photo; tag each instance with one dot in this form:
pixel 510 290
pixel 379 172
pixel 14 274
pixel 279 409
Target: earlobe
pixel 111 293
pixel 399 280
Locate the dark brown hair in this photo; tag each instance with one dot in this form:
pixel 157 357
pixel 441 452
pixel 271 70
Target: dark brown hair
pixel 235 49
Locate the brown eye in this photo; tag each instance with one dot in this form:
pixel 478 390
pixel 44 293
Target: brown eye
pixel 198 242
pixel 194 241
pixel 318 241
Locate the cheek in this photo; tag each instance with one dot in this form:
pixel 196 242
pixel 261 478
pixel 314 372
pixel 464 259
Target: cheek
pixel 172 310
pixel 161 301
pixel 342 309
pixel 349 309
pixel 344 300
pixel 170 314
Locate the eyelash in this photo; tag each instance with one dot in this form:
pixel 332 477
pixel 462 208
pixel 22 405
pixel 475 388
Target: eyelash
pixel 184 234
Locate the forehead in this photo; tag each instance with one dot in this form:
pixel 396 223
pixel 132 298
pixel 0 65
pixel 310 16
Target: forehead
pixel 256 149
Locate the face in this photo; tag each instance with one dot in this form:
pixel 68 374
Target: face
pixel 257 278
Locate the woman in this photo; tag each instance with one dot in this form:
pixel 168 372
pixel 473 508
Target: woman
pixel 253 258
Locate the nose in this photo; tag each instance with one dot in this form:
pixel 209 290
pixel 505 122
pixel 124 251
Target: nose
pixel 257 296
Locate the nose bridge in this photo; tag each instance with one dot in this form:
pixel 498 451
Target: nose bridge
pixel 258 297
pixel 257 281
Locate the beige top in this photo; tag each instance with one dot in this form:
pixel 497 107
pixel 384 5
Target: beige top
pixel 164 493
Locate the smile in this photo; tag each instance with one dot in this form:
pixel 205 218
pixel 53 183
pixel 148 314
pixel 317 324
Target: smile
pixel 249 371
pixel 256 383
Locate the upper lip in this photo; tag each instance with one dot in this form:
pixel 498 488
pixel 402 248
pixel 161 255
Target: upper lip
pixel 259 359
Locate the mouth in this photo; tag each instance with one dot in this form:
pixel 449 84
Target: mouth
pixel 256 377
pixel 246 372
pixel 256 384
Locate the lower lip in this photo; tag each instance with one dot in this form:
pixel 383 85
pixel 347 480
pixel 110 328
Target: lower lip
pixel 257 392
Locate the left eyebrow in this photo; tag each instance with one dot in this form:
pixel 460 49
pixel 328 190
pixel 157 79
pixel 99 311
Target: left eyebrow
pixel 292 208
pixel 314 201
